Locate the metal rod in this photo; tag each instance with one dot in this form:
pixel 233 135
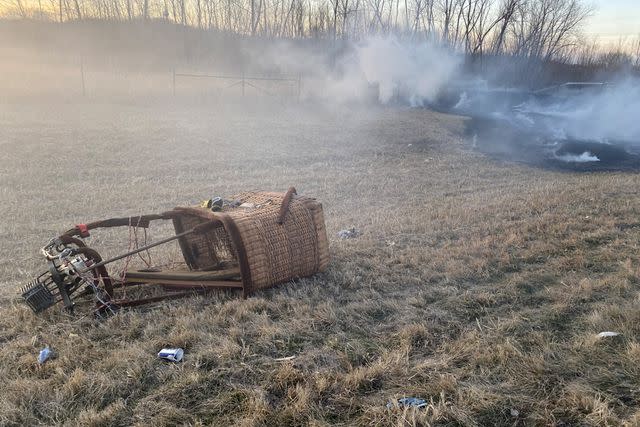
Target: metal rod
pixel 144 248
pixel 174 82
pixel 84 91
pixel 136 302
pixel 187 284
pixel 183 275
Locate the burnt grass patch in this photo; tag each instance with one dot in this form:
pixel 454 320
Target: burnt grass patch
pixel 507 141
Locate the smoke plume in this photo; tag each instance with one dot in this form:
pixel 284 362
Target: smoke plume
pixel 386 69
pixel 606 114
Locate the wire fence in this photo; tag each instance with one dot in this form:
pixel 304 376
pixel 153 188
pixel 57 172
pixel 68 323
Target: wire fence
pixel 244 82
pixel 82 78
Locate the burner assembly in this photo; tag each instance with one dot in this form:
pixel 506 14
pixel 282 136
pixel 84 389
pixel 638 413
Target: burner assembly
pixel 72 267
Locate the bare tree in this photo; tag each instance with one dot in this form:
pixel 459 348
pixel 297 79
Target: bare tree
pixel 20 9
pixel 506 12
pixel 543 28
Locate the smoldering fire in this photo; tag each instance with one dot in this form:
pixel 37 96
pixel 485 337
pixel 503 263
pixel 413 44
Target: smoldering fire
pixel 573 125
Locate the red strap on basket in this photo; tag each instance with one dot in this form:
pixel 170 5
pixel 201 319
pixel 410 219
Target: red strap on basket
pixel 83 229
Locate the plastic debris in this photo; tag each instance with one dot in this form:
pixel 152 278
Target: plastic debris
pixel 607 334
pixel 284 359
pixel 349 233
pixel 515 413
pixel 171 354
pixel 45 354
pixel 409 402
pixel 215 204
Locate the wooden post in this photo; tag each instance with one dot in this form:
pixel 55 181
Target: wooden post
pixel 84 90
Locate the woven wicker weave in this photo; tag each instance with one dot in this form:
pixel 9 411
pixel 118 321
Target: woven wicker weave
pixel 268 252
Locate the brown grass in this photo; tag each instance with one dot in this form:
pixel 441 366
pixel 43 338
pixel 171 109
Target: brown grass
pixel 476 285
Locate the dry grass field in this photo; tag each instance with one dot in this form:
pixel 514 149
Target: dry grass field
pixel 477 284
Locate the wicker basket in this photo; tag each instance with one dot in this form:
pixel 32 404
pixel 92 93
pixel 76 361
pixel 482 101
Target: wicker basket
pixel 273 237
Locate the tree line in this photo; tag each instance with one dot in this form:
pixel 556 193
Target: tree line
pixel 548 30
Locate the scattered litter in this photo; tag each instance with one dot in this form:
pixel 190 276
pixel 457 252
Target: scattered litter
pixel 349 233
pixel 171 354
pixel 515 413
pixel 284 359
pixel 45 354
pixel 607 334
pixel 409 402
pixel 74 335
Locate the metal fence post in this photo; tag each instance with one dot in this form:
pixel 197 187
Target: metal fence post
pixel 84 90
pixel 173 81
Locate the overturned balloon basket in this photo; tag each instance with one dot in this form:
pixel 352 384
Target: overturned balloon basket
pixel 247 242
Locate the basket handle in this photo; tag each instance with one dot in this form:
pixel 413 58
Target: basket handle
pixel 284 207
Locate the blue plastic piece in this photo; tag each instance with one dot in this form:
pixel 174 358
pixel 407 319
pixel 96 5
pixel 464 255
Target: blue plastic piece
pixel 44 355
pixel 409 401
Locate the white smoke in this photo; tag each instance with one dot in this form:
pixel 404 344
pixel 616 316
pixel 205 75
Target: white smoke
pixel 390 69
pixel 582 158
pixel 414 71
pixel 609 115
pixel 384 68
pixel 606 114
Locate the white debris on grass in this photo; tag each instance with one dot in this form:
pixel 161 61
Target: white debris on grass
pixel 349 233
pixel 608 334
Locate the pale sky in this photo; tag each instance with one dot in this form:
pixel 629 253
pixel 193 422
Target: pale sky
pixel 613 19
